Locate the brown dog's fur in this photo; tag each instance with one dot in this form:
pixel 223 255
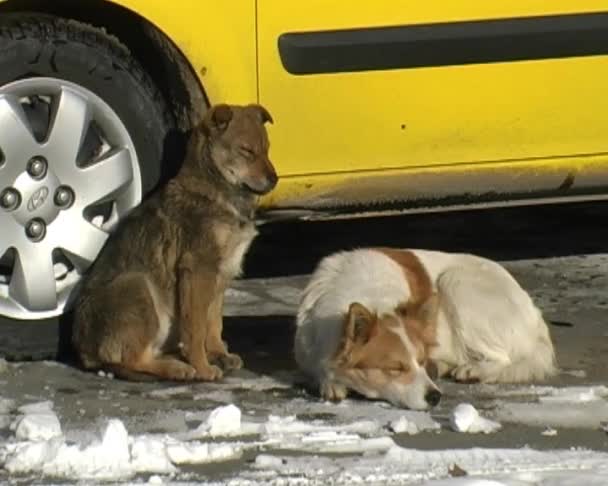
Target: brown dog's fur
pixel 152 304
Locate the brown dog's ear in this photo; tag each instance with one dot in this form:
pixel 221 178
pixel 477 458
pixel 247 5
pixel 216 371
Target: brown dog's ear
pixel 359 323
pixel 217 119
pixel 263 113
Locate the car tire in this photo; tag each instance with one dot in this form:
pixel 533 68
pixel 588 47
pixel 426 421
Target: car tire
pixel 113 108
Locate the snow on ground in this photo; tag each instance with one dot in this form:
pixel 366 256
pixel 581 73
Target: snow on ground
pixel 466 418
pixel 287 450
pixel 573 406
pixel 467 467
pixel 301 440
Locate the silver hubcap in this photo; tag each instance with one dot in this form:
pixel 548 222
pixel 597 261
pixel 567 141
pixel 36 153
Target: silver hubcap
pixel 68 173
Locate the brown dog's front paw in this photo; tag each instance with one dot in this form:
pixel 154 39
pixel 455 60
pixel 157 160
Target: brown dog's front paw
pixel 181 372
pixel 333 391
pixel 230 361
pixel 209 373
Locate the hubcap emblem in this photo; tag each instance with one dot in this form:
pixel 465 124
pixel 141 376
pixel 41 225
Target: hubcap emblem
pixel 37 199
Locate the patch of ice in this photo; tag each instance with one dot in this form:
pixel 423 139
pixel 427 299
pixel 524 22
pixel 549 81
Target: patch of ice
pixel 575 394
pixel 413 423
pixel 477 462
pixel 37 426
pixel 575 373
pixel 465 482
pixel 224 420
pixel 54 364
pixel 25 457
pixel 588 414
pixel 202 452
pixel 399 466
pixel 149 454
pixel 170 392
pixel 573 406
pixel 202 431
pixel 6 405
pixel 220 396
pixel 549 393
pixel 222 391
pixel 549 432
pixel 105 458
pixel 266 461
pixel 38 407
pixel 330 442
pixel 260 383
pixel 466 418
pixel 281 426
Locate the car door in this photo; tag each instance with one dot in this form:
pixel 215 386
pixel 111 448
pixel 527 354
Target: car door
pixel 356 85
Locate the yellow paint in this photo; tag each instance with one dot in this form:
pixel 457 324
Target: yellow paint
pixel 217 38
pixel 427 116
pixel 297 191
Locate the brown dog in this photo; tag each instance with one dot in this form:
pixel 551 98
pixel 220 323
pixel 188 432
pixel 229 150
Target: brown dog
pixel 155 294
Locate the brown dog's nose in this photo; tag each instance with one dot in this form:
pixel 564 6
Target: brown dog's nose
pixel 433 397
pixel 273 178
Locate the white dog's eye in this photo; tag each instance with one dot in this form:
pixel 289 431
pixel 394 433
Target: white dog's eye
pixel 398 369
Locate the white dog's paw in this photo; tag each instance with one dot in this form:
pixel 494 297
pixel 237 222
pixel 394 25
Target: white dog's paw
pixel 333 391
pixel 478 371
pixel 467 373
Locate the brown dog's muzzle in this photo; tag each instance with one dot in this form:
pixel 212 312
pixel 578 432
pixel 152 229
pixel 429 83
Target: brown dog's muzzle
pixel 265 181
pixel 272 178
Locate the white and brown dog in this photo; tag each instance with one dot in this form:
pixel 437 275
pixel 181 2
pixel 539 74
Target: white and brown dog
pixel 378 320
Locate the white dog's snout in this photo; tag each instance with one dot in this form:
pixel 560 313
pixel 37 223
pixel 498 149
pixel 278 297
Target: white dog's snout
pixel 420 394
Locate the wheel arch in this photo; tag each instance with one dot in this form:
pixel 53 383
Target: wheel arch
pixel 173 75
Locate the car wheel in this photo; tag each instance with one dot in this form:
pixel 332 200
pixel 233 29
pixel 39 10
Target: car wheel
pixel 81 139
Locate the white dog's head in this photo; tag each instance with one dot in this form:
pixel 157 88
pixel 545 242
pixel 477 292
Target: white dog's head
pixel 386 356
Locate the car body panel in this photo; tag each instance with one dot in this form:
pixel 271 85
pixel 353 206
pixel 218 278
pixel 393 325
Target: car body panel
pixel 439 116
pixel 467 185
pixel 217 38
pixel 352 138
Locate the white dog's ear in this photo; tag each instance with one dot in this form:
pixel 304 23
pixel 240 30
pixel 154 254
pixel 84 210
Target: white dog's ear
pixel 360 323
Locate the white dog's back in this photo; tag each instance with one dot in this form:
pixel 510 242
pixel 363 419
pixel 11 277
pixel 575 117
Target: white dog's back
pixel 497 333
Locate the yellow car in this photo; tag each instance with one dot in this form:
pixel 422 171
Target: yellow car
pixel 388 104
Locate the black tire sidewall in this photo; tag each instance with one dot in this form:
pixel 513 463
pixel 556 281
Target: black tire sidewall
pixel 52 47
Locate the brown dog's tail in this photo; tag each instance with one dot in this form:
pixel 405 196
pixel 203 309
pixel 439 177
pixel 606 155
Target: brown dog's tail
pixel 123 373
